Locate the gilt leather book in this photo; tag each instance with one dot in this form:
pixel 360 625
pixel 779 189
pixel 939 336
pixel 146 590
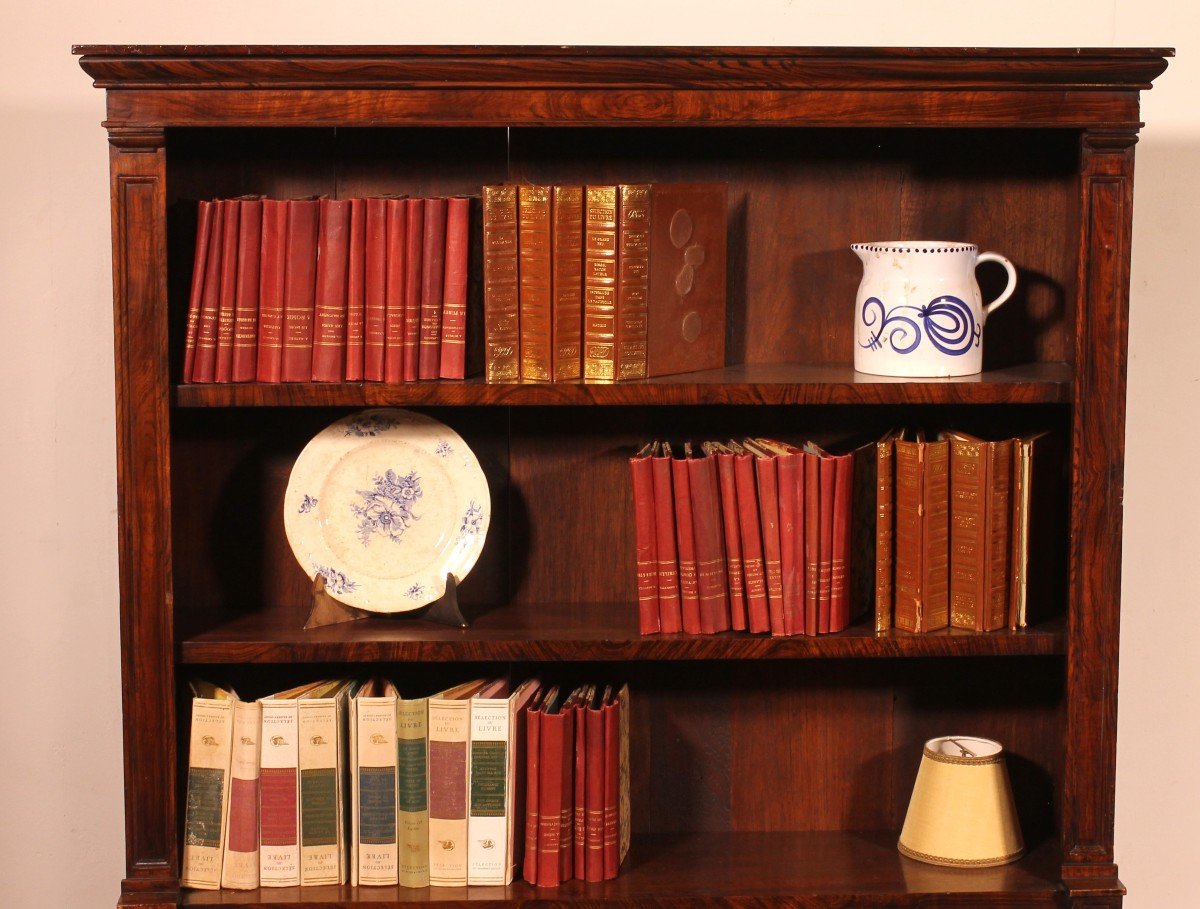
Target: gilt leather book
pixel 433 274
pixel 670 615
pixel 840 565
pixel 245 313
pixel 600 283
pixel 299 289
pixel 922 535
pixel 685 540
pixel 395 286
pixel 688 237
pixel 566 284
pixel 533 729
pixel 645 545
pixel 732 534
pixel 579 823
pixel 878 469
pixel 1038 536
pixel 534 275
pixel 711 575
pixel 593 835
pixel 502 360
pixel 231 212
pixel 414 277
pixel 452 363
pixel 204 221
pixel 812 542
pixel 553 748
pixel 356 291
pixel 272 269
pixel 766 471
pixel 375 291
pixel 329 327
pixel 757 608
pixel 790 470
pixel 633 280
pixel 204 369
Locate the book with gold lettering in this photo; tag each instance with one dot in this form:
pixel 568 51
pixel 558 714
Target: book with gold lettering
pixel 922 541
pixel 600 283
pixel 412 791
pixel 633 280
pixel 534 233
pixel 566 284
pixel 502 353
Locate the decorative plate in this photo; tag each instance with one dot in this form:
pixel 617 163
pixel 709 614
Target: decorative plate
pixel 384 504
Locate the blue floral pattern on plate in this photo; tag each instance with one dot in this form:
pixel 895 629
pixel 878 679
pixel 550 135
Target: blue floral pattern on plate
pixel 309 503
pixel 415 592
pixel 472 521
pixel 370 425
pixel 388 508
pixel 444 449
pixel 335 581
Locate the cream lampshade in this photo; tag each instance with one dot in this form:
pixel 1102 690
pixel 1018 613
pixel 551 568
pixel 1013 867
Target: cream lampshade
pixel 962 813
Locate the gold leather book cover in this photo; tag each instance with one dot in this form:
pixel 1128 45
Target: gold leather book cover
pixel 600 284
pixel 633 281
pixel 533 279
pixel 502 343
pixel 566 284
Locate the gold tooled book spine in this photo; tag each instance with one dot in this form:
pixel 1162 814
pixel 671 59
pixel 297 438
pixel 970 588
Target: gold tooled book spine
pixel 935 542
pixel 885 514
pixel 600 284
pixel 533 279
pixel 908 526
pixel 999 580
pixel 633 284
pixel 969 464
pixel 500 297
pixel 566 284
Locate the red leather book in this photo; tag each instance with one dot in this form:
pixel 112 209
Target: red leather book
pixel 757 610
pixel 566 818
pixel 580 775
pixel 645 545
pixel 356 291
pixel 395 282
pixel 272 265
pixel 839 573
pixel 790 471
pixel 766 472
pixel 732 534
pixel 669 611
pixel 204 369
pixel 299 289
pixel 825 564
pixel 433 274
pixel 375 288
pixel 812 542
pixel 453 357
pixel 612 784
pixel 552 751
pixel 533 726
pixel 414 258
pixel 710 555
pixel 593 860
pixel 231 211
pixel 689 589
pixel 329 326
pixel 245 314
pixel 204 222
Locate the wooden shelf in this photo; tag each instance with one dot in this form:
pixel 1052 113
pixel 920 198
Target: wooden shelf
pixel 740 869
pixel 1032 383
pixel 581 632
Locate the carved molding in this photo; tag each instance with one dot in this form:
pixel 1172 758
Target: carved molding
pixel 1109 140
pixel 136 138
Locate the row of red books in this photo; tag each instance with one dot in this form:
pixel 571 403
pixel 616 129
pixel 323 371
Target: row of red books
pixel 328 290
pixel 750 536
pixel 577 790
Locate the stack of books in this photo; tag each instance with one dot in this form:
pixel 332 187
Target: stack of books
pixel 342 781
pixel 328 290
pixel 603 283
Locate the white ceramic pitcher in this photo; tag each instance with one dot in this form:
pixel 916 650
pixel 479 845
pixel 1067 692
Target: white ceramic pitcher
pixel 919 312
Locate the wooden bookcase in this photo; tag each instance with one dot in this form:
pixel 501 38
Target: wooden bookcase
pixel 766 771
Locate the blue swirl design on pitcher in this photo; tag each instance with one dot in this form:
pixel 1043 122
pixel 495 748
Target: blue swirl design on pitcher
pixel 947 320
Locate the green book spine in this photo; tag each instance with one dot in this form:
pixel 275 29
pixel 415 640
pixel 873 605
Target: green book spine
pixel 412 764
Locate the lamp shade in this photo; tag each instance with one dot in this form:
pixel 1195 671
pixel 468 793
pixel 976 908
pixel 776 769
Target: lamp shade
pixel 962 813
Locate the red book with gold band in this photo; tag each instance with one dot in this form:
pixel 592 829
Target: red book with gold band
pixel 669 612
pixel 839 572
pixel 299 289
pixel 394 286
pixel 790 474
pixel 231 212
pixel 375 289
pixel 612 784
pixel 593 860
pixel 329 326
pixel 685 539
pixel 414 257
pixel 645 544
pixel 710 556
pixel 245 313
pixel 356 291
pixel 433 264
pixel 533 726
pixel 555 736
pixel 580 778
pixel 204 369
pixel 732 534
pixel 272 265
pixel 453 358
pixel 812 542
pixel 204 221
pixel 827 471
pixel 566 818
pixel 758 616
pixel 766 471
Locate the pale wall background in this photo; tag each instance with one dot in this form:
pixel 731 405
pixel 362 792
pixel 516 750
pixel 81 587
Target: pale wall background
pixel 60 767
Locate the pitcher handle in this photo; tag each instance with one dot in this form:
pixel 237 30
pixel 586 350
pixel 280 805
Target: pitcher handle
pixel 1012 279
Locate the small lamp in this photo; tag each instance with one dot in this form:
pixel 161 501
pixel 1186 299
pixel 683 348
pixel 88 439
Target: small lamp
pixel 962 813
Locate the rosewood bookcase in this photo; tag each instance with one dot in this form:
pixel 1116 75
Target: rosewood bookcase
pixel 765 771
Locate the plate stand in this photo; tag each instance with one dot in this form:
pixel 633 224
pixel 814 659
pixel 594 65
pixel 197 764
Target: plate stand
pixel 328 611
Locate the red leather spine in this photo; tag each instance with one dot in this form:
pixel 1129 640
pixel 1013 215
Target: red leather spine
pixel 612 786
pixel 375 287
pixel 453 358
pixel 733 542
pixel 231 211
pixel 394 283
pixel 204 369
pixel 329 327
pixel 299 290
pixel 566 817
pixel 433 264
pixel 825 564
pixel 550 798
pixel 669 613
pixel 272 266
pixel 356 291
pixel 593 862
pixel 710 557
pixel 689 589
pixel 812 542
pixel 414 264
pixel 767 474
pixel 204 220
pixel 245 313
pixel 791 530
pixel 752 544
pixel 533 727
pixel 839 572
pixel 645 544
pixel 579 800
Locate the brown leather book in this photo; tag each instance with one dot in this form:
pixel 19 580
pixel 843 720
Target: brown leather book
pixel 732 533
pixel 245 312
pixel 707 532
pixel 452 362
pixel 204 222
pixel 980 483
pixel 790 468
pixel 231 212
pixel 500 299
pixel 685 541
pixel 877 468
pixel 566 284
pixel 688 231
pixel 1038 536
pixel 669 610
pixel 433 273
pixel 272 268
pixel 356 291
pixel 600 270
pixel 922 534
pixel 533 274
pixel 329 328
pixel 414 267
pixel 299 289
pixel 645 544
pixel 757 608
pixel 375 287
pixel 812 542
pixel 633 280
pixel 766 472
pixel 396 279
